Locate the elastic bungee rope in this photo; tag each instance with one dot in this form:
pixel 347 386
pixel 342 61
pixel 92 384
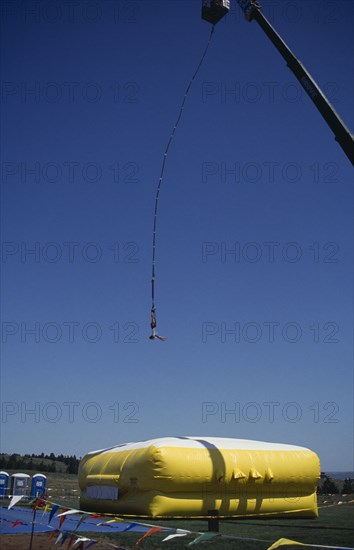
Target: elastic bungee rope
pixel 154 334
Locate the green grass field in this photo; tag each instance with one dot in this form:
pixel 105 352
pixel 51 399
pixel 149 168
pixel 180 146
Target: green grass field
pixel 333 527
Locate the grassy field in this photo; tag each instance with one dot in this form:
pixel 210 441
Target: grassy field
pixel 60 467
pixel 334 527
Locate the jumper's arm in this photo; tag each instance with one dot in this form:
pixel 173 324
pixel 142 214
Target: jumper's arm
pixel 342 134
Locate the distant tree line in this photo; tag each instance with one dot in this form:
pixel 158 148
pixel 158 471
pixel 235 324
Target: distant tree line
pixel 42 462
pixel 329 486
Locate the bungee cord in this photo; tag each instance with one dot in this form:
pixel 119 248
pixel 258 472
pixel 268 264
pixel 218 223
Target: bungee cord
pixel 153 323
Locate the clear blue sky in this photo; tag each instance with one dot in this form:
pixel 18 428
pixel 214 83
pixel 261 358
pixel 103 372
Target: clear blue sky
pixel 255 230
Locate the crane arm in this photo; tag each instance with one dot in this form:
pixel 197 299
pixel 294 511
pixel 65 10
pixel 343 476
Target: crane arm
pixel 342 134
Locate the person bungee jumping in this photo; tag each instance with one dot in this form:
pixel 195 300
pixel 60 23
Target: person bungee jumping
pixel 154 335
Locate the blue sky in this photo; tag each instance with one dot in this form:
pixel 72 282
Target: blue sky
pixel 255 231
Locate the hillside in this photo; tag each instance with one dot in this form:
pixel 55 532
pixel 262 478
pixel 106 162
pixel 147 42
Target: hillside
pixel 42 463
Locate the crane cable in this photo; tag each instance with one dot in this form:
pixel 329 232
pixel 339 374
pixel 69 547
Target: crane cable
pixel 154 334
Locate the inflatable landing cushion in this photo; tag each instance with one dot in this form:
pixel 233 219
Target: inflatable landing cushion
pixel 188 476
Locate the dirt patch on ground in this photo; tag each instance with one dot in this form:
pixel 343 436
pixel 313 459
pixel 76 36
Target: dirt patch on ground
pixel 40 542
pixel 22 542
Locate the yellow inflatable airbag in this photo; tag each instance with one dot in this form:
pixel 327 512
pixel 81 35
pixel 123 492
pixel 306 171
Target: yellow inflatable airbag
pixel 189 476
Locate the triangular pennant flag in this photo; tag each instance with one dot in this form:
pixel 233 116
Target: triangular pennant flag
pixel 65 536
pixel 14 500
pixel 53 534
pixel 83 517
pixel 81 539
pixel 169 537
pixel 16 523
pixel 204 536
pixel 284 542
pixel 67 512
pixel 115 520
pixel 46 508
pixel 38 502
pixel 149 533
pixel 106 522
pixel 52 512
pixel 131 526
pixel 60 536
pixel 71 541
pixel 61 520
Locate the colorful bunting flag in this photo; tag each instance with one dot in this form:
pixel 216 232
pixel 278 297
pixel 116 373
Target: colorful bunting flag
pixel 52 512
pixel 284 542
pixel 106 522
pixel 53 534
pixel 83 517
pixel 131 526
pixel 71 541
pixel 110 521
pixel 204 536
pixel 46 508
pixel 73 538
pixel 16 523
pixel 149 533
pixel 81 539
pixel 169 537
pixel 14 500
pixel 38 502
pixel 60 536
pixel 288 542
pixel 67 512
pixel 61 520
pixel 65 536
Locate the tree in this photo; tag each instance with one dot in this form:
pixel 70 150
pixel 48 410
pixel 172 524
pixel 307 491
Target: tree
pixel 42 467
pixel 12 462
pixel 73 465
pixel 348 487
pixel 329 487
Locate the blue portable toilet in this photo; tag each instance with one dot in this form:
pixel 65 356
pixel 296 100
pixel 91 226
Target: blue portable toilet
pixel 38 485
pixel 4 482
pixel 19 484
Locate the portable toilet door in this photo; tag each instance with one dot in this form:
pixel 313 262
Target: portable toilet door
pixel 38 485
pixel 19 484
pixel 4 482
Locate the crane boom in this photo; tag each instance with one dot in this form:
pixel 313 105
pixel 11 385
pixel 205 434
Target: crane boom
pixel 252 10
pixel 342 134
